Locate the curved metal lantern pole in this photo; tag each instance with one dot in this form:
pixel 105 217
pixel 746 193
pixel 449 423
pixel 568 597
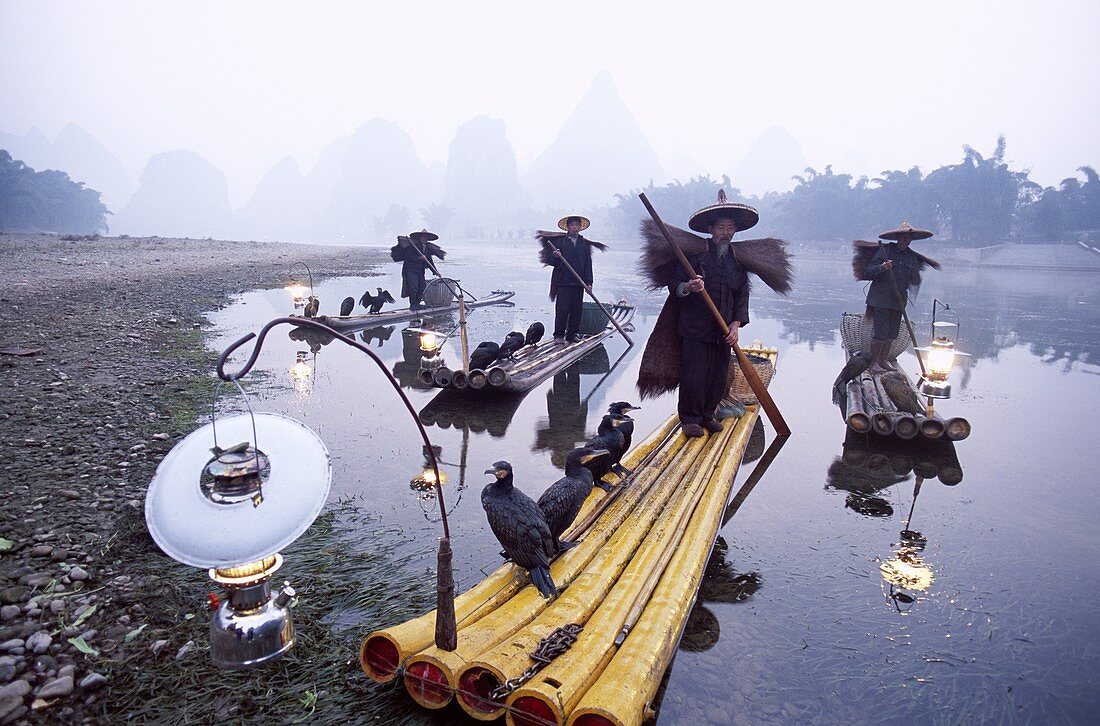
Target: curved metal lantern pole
pixel 446 631
pixel 751 375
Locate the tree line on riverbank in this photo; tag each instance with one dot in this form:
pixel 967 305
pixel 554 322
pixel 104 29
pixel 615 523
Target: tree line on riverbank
pixel 46 201
pixel 978 201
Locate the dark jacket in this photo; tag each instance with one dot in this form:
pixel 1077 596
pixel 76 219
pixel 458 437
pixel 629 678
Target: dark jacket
pixel 410 261
pixel 579 255
pixel 906 268
pixel 727 282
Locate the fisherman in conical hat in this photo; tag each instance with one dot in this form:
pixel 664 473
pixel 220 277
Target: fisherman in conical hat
pixel 566 291
pixel 415 252
pixel 877 263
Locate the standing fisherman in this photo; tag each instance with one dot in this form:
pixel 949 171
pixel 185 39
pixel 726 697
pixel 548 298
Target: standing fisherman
pixel 687 348
pixel 414 253
pixel 877 262
pixel 565 289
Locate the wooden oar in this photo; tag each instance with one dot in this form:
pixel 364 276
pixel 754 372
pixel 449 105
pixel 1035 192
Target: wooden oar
pixel 901 301
pixel 751 375
pixel 587 288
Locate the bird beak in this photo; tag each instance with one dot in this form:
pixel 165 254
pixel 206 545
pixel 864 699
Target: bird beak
pixel 634 408
pixel 597 453
pixel 491 471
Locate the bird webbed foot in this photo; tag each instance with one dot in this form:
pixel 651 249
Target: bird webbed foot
pixel 604 485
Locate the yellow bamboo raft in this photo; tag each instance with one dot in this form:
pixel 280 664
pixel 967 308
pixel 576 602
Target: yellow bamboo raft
pixel 629 584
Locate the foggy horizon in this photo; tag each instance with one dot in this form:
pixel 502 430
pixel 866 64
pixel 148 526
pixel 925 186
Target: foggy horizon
pixel 248 85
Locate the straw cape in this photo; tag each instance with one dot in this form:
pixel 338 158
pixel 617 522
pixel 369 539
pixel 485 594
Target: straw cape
pixel 546 253
pixel 863 252
pixel 766 258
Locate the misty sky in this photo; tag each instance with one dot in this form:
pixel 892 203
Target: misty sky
pixel 863 85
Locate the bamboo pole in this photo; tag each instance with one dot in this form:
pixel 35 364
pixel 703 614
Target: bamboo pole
pixel 856 414
pixel 751 375
pixel 957 428
pixel 588 289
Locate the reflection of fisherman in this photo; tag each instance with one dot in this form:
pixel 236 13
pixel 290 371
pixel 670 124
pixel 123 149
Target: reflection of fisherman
pixel 412 252
pixel 566 415
pixel 567 290
pixel 687 347
pixel 878 264
pixel 705 352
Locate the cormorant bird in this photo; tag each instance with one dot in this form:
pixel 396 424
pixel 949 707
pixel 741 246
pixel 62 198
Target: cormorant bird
pixel 535 331
pixel 374 303
pixel 347 306
pixel 512 342
pixel 608 436
pixel 858 363
pixel 626 427
pixel 484 355
pixel 519 526
pixel 312 306
pixel 562 500
pixel 900 392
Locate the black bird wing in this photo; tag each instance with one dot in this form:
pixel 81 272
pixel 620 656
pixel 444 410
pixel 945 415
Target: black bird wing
pixel 613 441
pixel 561 502
pixel 520 528
pixel 386 296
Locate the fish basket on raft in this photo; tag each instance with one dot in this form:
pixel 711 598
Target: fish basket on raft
pixel 439 292
pixel 855 334
pixel 592 320
pixel 739 388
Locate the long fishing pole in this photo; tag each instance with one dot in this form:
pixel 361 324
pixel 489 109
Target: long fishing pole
pixel 588 289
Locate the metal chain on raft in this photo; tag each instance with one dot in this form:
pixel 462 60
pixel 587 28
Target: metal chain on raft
pixel 546 651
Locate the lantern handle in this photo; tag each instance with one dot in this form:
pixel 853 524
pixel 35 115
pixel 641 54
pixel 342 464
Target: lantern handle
pixel 214 417
pixel 322 328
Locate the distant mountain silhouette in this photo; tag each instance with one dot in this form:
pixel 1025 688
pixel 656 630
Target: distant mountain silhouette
pixel 378 172
pixel 600 151
pixel 77 153
pixel 770 163
pixel 481 183
pixel 282 207
pixel 181 194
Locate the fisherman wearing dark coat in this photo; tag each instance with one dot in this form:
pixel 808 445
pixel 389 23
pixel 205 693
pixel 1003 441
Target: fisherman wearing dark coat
pixel 878 263
pixel 564 287
pixel 414 253
pixel 705 351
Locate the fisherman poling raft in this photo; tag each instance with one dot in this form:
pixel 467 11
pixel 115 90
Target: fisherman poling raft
pixel 874 395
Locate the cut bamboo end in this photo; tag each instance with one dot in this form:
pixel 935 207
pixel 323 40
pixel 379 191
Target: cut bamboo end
pixel 859 422
pixel 534 709
pixel 906 427
pixel 477 379
pixel 459 379
pixel 428 681
pixel 882 424
pixel 442 377
pixel 424 376
pixel 957 428
pixel 594 717
pixel 380 657
pixel 497 376
pixel 932 428
pixel 476 683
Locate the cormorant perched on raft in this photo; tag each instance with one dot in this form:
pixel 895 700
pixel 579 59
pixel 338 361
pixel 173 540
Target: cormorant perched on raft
pixel 859 362
pixel 614 434
pixel 562 500
pixel 347 306
pixel 535 331
pixel 520 527
pixel 374 303
pixel 484 355
pixel 312 306
pixel 512 342
pixel 900 392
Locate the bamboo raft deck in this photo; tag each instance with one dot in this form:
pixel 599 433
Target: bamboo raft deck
pixel 352 323
pixel 629 583
pixel 531 365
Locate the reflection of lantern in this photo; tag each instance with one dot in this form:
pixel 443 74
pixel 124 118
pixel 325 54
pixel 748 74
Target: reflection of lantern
pixel 233 518
pixel 939 356
pixel 301 371
pixel 425 481
pixel 907 570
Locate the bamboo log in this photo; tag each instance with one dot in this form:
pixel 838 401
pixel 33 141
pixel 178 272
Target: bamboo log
pixel 932 427
pixel 497 376
pixel 957 428
pixel 442 377
pixel 883 423
pixel 383 651
pixel 906 426
pixel 856 415
pixel 459 379
pixel 424 376
pixel 476 379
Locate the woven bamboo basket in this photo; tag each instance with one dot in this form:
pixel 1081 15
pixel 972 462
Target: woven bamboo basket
pixel 739 389
pixel 855 334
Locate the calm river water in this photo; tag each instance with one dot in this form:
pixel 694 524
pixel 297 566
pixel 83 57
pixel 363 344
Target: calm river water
pixel 795 621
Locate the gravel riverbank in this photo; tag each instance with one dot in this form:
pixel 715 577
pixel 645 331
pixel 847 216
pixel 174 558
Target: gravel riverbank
pixel 103 370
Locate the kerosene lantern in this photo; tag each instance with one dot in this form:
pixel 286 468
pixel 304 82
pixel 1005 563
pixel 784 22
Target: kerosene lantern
pixel 231 509
pixel 940 354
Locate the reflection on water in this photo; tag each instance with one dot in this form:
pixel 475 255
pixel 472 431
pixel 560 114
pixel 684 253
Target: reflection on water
pixel 878 599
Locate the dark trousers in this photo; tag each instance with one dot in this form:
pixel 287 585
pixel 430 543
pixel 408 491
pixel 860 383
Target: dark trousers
pixel 885 323
pixel 704 372
pixel 567 311
pixel 414 285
